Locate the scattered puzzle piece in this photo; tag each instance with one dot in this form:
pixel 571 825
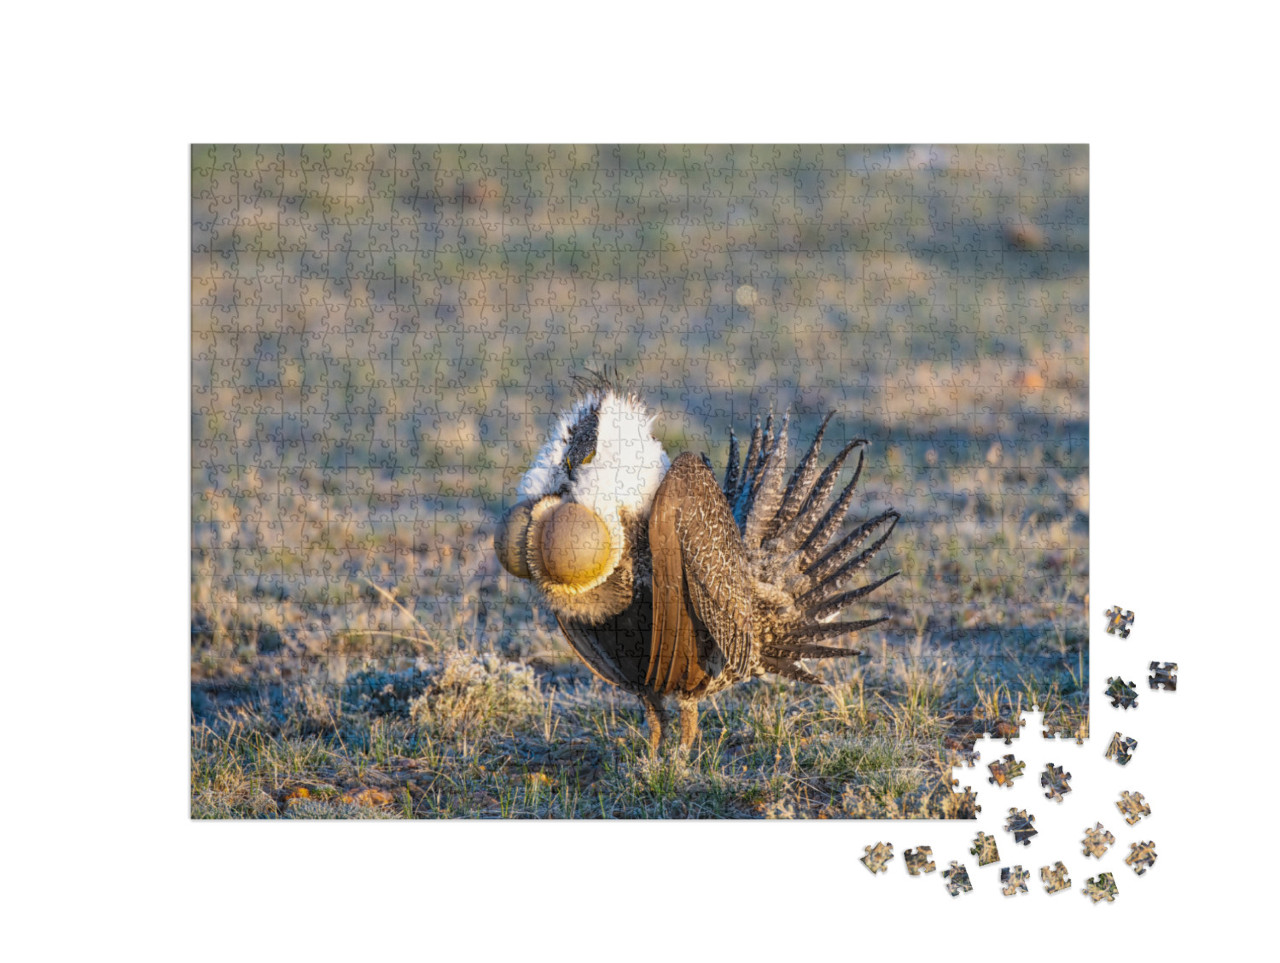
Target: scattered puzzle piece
pixel 1103 887
pixel 1123 694
pixel 877 858
pixel 919 860
pixel 1119 622
pixel 1055 880
pixel 1133 807
pixel 1142 856
pixel 1164 675
pixel 1019 823
pixel 1121 749
pixel 1011 881
pixel 984 847
pixel 1005 771
pixel 1054 780
pixel 1097 841
pixel 957 879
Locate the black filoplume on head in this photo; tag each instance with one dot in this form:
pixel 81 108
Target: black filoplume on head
pixel 582 441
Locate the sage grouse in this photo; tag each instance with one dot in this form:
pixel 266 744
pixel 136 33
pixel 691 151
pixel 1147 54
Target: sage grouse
pixel 665 582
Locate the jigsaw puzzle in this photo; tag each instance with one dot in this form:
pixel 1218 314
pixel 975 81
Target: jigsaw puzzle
pixel 1055 880
pixel 1121 749
pixel 919 860
pixel 957 878
pixel 1119 621
pixel 1123 694
pixel 1055 780
pixel 1102 887
pixel 1142 856
pixel 1019 823
pixel 878 857
pixel 1163 675
pixel 984 847
pixel 1013 881
pixel 1133 807
pixel 1005 771
pixel 1097 841
pixel 492 443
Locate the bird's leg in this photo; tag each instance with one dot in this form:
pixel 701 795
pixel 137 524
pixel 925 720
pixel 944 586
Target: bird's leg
pixel 688 723
pixel 656 718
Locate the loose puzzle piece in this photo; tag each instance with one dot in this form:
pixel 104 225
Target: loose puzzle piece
pixel 1097 841
pixel 1103 887
pixel 1013 880
pixel 1118 622
pixel 1005 771
pixel 1142 856
pixel 1054 780
pixel 1019 823
pixel 1121 749
pixel 919 860
pixel 1055 880
pixel 1133 807
pixel 877 858
pixel 1164 675
pixel 1122 693
pixel 957 879
pixel 984 847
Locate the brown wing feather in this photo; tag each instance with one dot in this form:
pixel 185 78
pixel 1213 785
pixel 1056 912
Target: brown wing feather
pixel 700 576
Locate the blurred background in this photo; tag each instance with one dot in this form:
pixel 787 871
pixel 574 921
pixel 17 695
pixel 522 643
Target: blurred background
pixel 381 337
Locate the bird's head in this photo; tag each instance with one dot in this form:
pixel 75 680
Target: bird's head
pixel 566 531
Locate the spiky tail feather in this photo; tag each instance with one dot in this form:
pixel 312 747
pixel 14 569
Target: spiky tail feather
pixel 805 579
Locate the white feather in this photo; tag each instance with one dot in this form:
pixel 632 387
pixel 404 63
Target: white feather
pixel 628 466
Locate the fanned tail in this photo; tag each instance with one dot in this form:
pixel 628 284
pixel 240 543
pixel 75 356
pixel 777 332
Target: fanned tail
pixel 804 580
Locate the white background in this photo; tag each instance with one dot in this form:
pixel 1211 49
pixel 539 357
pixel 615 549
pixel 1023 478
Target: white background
pixel 100 856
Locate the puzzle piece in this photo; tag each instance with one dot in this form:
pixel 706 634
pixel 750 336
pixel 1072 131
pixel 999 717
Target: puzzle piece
pixel 1054 780
pixel 1079 733
pixel 1133 807
pixel 1013 881
pixel 1005 771
pixel 984 847
pixel 1121 749
pixel 1097 841
pixel 1122 693
pixel 957 879
pixel 1019 823
pixel 1055 880
pixel 1102 887
pixel 1163 675
pixel 919 860
pixel 1008 729
pixel 1142 856
pixel 1119 622
pixel 877 858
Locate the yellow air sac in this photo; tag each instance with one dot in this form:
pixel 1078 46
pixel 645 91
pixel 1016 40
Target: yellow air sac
pixel 575 545
pixel 509 541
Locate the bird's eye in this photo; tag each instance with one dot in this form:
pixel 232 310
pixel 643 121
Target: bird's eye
pixel 587 460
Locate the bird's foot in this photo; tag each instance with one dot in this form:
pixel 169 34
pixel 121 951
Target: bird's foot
pixel 656 719
pixel 688 726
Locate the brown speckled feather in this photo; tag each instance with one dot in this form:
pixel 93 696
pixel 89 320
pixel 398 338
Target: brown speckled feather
pixel 696 551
